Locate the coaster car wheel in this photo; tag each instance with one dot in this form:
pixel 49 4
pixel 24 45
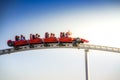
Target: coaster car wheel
pixel 31 46
pixel 16 47
pixel 74 43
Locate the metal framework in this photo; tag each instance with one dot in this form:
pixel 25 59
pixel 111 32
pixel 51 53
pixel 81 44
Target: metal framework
pixel 55 45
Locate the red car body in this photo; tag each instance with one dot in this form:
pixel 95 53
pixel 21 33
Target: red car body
pixel 36 41
pixel 20 43
pixel 66 39
pixel 50 40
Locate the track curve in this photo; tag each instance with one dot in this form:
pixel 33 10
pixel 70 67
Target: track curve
pixel 55 45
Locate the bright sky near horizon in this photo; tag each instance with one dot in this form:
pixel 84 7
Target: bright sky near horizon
pixel 97 22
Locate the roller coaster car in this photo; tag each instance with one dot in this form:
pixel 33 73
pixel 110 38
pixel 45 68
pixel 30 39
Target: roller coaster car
pixel 35 41
pixel 50 40
pixel 78 41
pixel 17 43
pixel 70 40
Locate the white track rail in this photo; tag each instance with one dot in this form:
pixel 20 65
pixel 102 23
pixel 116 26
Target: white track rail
pixel 55 45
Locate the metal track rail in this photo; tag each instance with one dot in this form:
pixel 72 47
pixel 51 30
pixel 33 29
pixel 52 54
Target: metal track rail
pixel 55 45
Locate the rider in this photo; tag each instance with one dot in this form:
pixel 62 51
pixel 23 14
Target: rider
pixel 37 35
pixel 68 34
pixel 46 35
pixel 17 38
pixel 22 37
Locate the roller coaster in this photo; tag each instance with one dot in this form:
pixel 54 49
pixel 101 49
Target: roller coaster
pixel 51 41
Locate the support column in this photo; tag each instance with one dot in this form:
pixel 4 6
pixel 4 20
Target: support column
pixel 86 63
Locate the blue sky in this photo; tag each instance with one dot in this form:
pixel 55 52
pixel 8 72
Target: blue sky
pixel 97 21
pixel 17 9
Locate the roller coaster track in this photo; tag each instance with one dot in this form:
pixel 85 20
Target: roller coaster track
pixel 67 45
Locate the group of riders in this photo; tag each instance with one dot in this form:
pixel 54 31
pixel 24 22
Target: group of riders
pixel 47 35
pixel 21 37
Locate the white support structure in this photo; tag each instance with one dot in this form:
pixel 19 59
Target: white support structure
pixel 86 64
pixel 55 45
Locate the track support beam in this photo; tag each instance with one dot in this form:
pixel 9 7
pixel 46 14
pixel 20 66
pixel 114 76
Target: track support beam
pixel 86 63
